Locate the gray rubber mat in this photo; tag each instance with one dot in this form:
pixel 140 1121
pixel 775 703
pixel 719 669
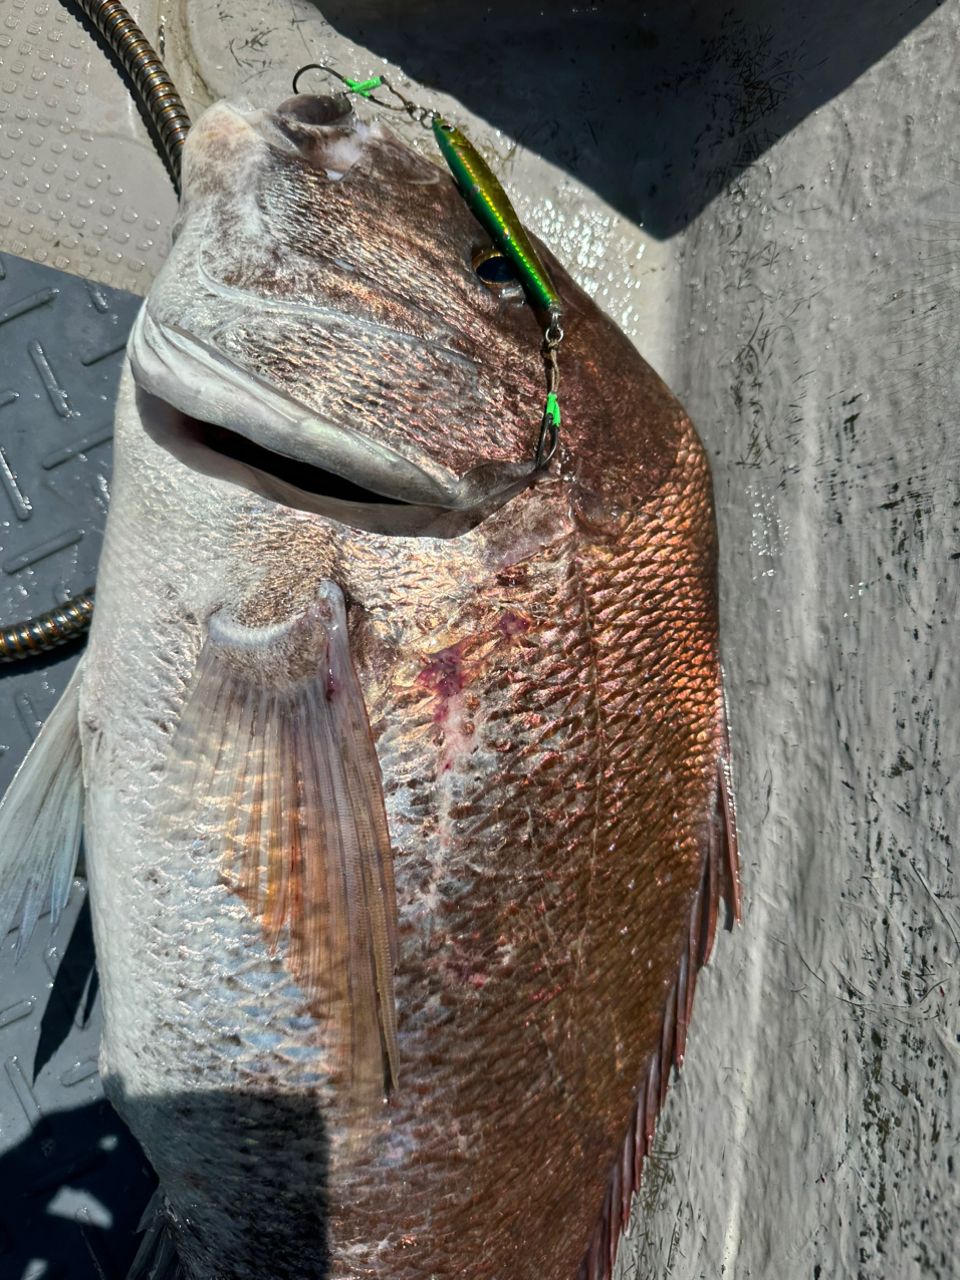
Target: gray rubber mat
pixel 61 347
pixel 73 1183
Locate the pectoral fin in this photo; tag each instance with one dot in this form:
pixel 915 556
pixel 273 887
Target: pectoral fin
pixel 41 819
pixel 274 766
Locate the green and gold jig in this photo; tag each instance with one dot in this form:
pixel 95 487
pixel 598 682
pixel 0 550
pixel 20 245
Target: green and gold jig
pixel 491 205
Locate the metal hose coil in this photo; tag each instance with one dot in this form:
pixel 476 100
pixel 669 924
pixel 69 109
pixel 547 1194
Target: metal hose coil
pixel 166 111
pixel 47 630
pixel 140 61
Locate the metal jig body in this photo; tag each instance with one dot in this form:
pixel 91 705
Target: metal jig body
pixel 491 205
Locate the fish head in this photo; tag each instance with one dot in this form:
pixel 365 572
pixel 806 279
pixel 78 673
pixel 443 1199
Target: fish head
pixel 333 277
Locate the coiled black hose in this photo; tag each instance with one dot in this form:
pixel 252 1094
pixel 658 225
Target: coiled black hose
pixel 142 65
pixel 167 114
pixel 47 630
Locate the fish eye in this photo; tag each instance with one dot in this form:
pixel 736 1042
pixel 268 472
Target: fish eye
pixel 497 272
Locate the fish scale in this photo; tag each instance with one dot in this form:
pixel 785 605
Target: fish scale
pixel 580 720
pixel 527 698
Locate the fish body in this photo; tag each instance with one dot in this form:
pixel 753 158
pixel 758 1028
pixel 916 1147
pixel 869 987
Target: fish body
pixel 403 766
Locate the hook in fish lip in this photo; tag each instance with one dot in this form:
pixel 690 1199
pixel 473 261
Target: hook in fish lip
pixel 425 116
pixel 363 87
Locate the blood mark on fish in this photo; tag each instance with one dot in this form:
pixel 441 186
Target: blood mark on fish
pixel 512 625
pixel 447 672
pixel 445 675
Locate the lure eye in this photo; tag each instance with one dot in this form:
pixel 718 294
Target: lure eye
pixel 497 272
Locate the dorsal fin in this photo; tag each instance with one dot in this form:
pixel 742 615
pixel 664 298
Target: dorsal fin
pixel 274 764
pixel 720 878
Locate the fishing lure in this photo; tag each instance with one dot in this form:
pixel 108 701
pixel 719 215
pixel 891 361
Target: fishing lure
pixel 491 205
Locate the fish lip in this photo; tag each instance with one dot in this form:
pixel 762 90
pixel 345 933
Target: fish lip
pixel 200 381
pixel 315 110
pixel 188 440
pixel 283 131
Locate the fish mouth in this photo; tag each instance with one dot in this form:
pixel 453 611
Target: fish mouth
pixel 226 455
pixel 285 451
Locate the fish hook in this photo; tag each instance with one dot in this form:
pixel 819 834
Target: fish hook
pixel 365 88
pixel 549 437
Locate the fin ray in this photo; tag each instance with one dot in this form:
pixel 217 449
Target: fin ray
pixel 41 820
pixel 274 762
pixel 720 877
pixel 156 1258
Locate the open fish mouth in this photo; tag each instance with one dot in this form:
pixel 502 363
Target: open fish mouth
pixel 216 451
pixel 227 421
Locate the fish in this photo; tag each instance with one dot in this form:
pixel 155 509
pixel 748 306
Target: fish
pixel 401 762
